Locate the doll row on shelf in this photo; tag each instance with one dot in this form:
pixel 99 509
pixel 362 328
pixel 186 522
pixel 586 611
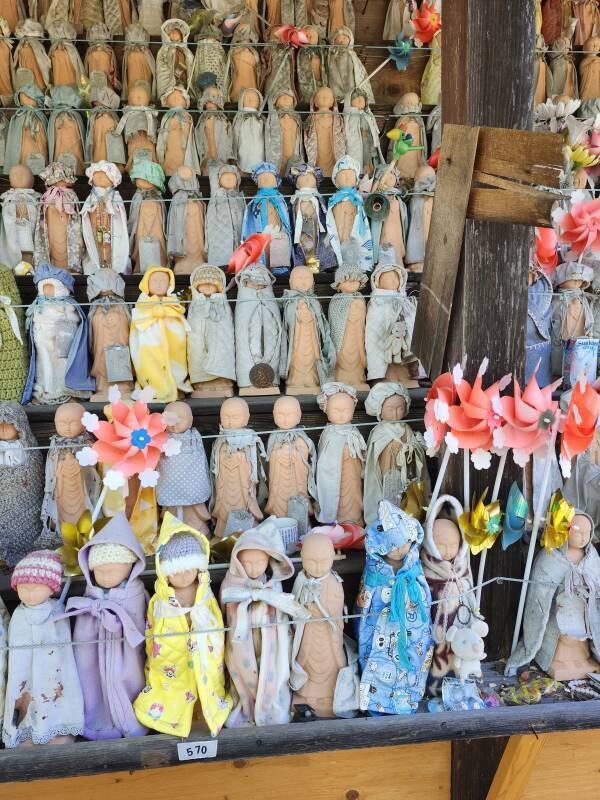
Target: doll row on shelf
pixel 556 73
pixel 572 20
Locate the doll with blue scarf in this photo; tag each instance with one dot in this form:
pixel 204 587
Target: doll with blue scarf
pixel 267 212
pixel 395 643
pixel 346 219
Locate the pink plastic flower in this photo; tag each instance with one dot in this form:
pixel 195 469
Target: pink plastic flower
pixel 437 404
pixel 580 227
pixel 580 424
pixel 546 254
pixel 288 34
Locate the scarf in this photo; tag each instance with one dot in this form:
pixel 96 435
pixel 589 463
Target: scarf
pixel 258 207
pixel 28 119
pixel 12 454
pixel 313 197
pixel 211 341
pixel 222 133
pixel 142 196
pixel 136 119
pixel 332 442
pixel 119 239
pixel 351 194
pixel 339 307
pixel 273 134
pixel 10 250
pixel 360 233
pixel 235 440
pixel 326 362
pixel 451 584
pixel 406 590
pixel 259 331
pixel 362 132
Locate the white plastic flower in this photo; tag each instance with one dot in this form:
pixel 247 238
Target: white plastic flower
pixel 114 480
pixel 441 411
pixel 578 197
pixel 483 366
pixel 520 458
pixel 145 395
pixel 87 457
pixel 498 437
pixel 114 395
pixel 481 459
pixel 90 421
pixel 148 478
pixel 457 373
pixel 451 443
pixel 172 447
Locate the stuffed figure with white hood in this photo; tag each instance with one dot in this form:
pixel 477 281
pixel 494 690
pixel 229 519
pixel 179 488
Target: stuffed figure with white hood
pixel 104 221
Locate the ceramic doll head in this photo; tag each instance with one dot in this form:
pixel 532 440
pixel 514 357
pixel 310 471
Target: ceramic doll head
pixel 110 563
pixel 176 98
pixel 304 176
pixel 302 279
pixel 443 538
pixel 182 557
pixel 179 415
pixel 105 283
pixel 592 45
pixel 251 99
pixel 147 175
pixel 254 562
pixel 388 275
pixel 20 177
pixel 53 282
pixel 349 278
pixel 103 174
pixel 175 30
pixel 342 37
pixel 8 432
pixel 346 172
pixel 259 549
pixel 388 401
pixel 207 280
pixel 211 98
pixel 424 172
pixel 409 103
pixel 287 412
pixel 37 577
pixel 266 176
pixel 358 99
pixel 312 34
pixel 317 555
pixel 323 99
pixel 158 282
pixel 573 275
pixel 337 401
pixel 285 100
pixel 140 94
pixel 229 177
pixel 67 420
pixel 580 531
pixel 234 413
pixel 393 536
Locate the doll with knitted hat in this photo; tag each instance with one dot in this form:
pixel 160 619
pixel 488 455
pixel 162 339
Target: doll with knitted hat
pixel 147 216
pixel 44 702
pixel 104 221
pixel 184 669
pixel 58 234
pixel 111 617
pixel 14 349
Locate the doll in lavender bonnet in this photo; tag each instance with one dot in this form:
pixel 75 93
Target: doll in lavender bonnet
pixel 307 214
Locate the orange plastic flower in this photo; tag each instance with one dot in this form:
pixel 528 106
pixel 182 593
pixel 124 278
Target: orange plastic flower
pixel 426 22
pixel 248 252
pixel 580 424
pixel 580 227
pixel 437 403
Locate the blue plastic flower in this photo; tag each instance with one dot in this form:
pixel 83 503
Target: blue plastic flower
pixel 140 438
pixel 400 52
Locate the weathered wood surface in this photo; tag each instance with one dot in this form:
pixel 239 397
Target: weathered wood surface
pixel 567 768
pixel 516 766
pixel 474 764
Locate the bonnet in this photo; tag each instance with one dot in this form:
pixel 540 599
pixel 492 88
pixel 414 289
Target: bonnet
pixel 345 162
pixel 349 272
pixel 332 388
pixel 108 168
pixel 104 280
pixel 380 393
pixel 428 542
pixel 148 171
pixel 265 167
pixel 56 172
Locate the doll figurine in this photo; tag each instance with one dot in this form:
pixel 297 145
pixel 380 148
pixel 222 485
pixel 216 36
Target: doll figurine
pixel 44 703
pixel 209 58
pixel 587 16
pixel 283 130
pixel 66 64
pixel 395 453
pixel 7 90
pixel 235 466
pixel 318 652
pixel 175 146
pixel 100 56
pixel 267 212
pixel 310 64
pixel 102 142
pixel 211 340
pixel 324 135
pixel 147 216
pixel 347 319
pixel 542 77
pixel 183 671
pixel 251 594
pixel 104 221
pixel 278 65
pixel 408 112
pixel 389 326
pixel 14 355
pixel 310 350
pixel 158 338
pixel 562 68
pixel 174 60
pixel 561 632
pixel 58 234
pixel 431 80
pixel 21 485
pixel 185 223
pixel 59 365
pixel 70 489
pixel 258 332
pixel 421 206
pixel 395 644
pixel 389 226
pixel 183 486
pixel 538 345
pixel 396 19
pixel 19 217
pixel 138 125
pixel 13 12
pixel 213 133
pixel 66 134
pixel 341 455
pixel 150 13
pixel 345 70
pixel 248 131
pixel 242 70
pixel 589 70
pixel 30 53
pixel 138 62
pixel 347 222
pixel 224 214
pixel 362 133
pixel 111 615
pixel 307 216
pixel 109 319
pixel 27 138
pixel 572 315
pixel 291 457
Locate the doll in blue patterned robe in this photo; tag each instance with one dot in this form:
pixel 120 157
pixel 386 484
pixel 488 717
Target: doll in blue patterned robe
pixel 395 643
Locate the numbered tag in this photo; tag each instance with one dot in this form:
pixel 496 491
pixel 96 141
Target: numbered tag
pixel 191 751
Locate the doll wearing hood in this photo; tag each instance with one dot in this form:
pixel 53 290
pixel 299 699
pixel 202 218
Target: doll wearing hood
pixel 421 206
pixel 111 616
pixel 14 355
pixel 267 212
pixel 158 338
pixel 174 60
pixel 138 124
pixel 248 130
pixel 30 53
pixel 397 19
pixel 347 222
pixel 310 63
pixel 562 68
pixel 44 703
pixel 341 454
pixel 258 659
pixel 345 70
pixel 58 235
pixel 408 112
pixel 242 70
pixel 395 453
pixel 224 214
pixel 19 218
pixel 278 65
pixel 184 670
pixel 324 136
pixel 211 340
pixel 538 347
pixel 185 223
pixel 362 133
pixel 150 14
pixel 213 133
pixel 347 315
pixel 66 134
pixel 572 315
pixel 258 332
pixel 58 334
pixel 389 228
pixel 209 57
pixel 104 221
pixel 21 485
pixel 67 66
pixel 138 62
pixel 109 319
pixel 175 146
pixel 307 217
pixel 395 644
pixel 100 56
pixel 147 216
pixel 27 138
pixel 102 142
pixel 283 130
pixel 389 327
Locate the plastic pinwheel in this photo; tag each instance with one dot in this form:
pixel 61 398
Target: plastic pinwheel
pixel 546 249
pixel 580 226
pixel 248 252
pixel 482 525
pixel 426 22
pixel 580 424
pixel 558 522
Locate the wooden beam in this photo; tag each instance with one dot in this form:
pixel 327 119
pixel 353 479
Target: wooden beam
pixel 469 783
pixel 515 767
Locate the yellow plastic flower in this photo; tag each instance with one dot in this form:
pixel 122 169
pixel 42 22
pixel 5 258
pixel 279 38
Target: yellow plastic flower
pixel 74 537
pixel 580 157
pixel 558 522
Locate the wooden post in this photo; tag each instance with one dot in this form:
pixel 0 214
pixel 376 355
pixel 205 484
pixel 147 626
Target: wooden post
pixel 487 80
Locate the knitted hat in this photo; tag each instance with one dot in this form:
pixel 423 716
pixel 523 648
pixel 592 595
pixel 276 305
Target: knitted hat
pixel 183 551
pixel 110 553
pixel 41 566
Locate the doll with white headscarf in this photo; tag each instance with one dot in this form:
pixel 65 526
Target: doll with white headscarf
pixel 248 130
pixel 307 216
pixel 104 221
pixel 347 222
pixel 174 60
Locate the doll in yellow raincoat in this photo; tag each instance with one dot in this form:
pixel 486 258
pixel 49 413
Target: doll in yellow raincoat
pixel 158 337
pixel 188 668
